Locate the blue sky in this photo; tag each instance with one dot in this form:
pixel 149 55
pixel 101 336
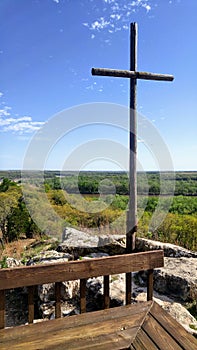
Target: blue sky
pixel 47 50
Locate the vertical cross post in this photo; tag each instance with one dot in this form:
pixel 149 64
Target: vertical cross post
pixel 133 75
pixel 132 212
pixel 131 225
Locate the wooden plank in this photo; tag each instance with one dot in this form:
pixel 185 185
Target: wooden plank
pixel 83 295
pixel 57 299
pixel 111 340
pixel 107 329
pixel 158 335
pixel 150 285
pixel 72 270
pixel 143 342
pixel 120 73
pixel 128 289
pixel 2 309
pixel 183 338
pixel 132 212
pixel 81 339
pixel 106 292
pixel 136 311
pixel 31 290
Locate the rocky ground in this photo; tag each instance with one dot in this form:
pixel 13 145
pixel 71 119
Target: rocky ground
pixel 174 285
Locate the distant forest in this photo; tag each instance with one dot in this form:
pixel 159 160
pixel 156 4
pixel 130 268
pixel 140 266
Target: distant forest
pixel 88 182
pixel 62 191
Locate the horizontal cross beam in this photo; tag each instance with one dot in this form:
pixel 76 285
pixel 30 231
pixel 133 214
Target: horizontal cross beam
pixel 131 74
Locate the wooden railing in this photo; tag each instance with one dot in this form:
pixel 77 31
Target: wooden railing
pixel 31 276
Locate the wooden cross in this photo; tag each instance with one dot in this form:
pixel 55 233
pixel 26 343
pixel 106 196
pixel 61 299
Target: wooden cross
pixel 133 74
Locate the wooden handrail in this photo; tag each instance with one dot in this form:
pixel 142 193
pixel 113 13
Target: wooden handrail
pixel 74 270
pixel 32 276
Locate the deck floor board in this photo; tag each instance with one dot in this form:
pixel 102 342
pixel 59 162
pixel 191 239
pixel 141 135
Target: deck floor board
pixel 141 326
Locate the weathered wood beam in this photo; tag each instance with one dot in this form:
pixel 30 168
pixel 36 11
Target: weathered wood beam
pixel 2 309
pixel 57 299
pixel 83 295
pixel 31 303
pixel 150 285
pixel 131 74
pixel 106 292
pixel 73 270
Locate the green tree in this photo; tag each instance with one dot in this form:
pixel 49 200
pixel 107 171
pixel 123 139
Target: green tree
pixel 8 201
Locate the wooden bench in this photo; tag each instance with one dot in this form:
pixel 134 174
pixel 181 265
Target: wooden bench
pixel 115 328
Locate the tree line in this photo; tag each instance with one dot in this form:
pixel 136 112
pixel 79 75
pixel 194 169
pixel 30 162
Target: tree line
pixel 179 226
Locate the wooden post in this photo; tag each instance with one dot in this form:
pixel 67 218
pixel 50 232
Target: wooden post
pixel 58 299
pixel 106 292
pixel 31 290
pixel 2 309
pixel 83 295
pixel 133 75
pixel 150 284
pixel 132 212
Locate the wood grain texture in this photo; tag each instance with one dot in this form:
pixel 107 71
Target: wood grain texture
pixel 57 299
pixel 143 342
pixel 107 329
pixel 119 73
pixel 106 292
pixel 128 288
pixel 31 304
pixel 176 331
pixel 83 295
pixel 73 270
pixel 2 309
pixel 142 326
pixel 150 284
pixel 132 212
pixel 158 335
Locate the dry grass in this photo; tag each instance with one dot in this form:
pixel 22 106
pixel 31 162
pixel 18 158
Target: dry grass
pixel 24 249
pixel 16 249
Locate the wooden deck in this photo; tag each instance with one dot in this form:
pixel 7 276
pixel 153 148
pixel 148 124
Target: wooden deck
pixel 138 327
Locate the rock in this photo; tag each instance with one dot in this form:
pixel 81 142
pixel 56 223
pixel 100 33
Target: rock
pixel 80 243
pixel 46 298
pixel 178 278
pixel 170 250
pixel 11 262
pixel 49 257
pixel 69 290
pixel 176 310
pixel 95 255
pixel 46 292
pixel 16 307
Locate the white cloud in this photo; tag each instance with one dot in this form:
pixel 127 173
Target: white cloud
pixel 147 7
pixel 4 111
pixel 23 127
pixel 115 16
pixel 109 1
pixel 20 125
pixel 57 1
pixel 1 94
pixel 119 17
pixel 100 24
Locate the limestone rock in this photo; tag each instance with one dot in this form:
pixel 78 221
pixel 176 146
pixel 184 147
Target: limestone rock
pixel 11 262
pixel 170 250
pixel 175 309
pixel 49 257
pixel 177 278
pixel 80 243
